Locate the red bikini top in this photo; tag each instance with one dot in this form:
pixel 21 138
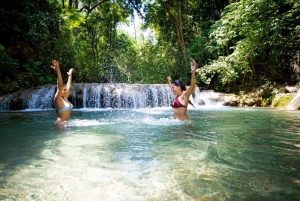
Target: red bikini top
pixel 176 103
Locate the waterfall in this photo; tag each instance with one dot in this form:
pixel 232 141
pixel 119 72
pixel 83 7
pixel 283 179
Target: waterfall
pixel 41 99
pixel 295 103
pixel 37 98
pixel 208 97
pixel 109 95
pixel 125 96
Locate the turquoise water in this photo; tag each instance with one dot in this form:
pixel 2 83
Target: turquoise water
pixel 223 153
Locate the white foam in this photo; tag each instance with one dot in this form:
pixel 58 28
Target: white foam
pixel 86 122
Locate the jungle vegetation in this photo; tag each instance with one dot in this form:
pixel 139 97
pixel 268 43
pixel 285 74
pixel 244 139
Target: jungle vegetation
pixel 236 44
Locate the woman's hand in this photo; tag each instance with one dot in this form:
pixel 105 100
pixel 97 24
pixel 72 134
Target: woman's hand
pixel 193 66
pixel 55 65
pixel 169 79
pixel 70 72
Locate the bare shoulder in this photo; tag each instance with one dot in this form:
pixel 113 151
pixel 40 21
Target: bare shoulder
pixel 186 94
pixel 189 90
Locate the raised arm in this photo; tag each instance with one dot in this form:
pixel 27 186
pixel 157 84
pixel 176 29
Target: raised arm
pixel 170 82
pixel 60 85
pixel 190 90
pixel 69 83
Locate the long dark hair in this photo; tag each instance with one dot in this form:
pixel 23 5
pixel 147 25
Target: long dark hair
pixel 182 86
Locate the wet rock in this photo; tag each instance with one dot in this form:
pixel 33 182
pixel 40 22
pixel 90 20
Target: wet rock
pixel 201 102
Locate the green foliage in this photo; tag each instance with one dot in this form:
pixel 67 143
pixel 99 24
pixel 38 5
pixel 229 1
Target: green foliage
pixel 282 100
pixel 73 18
pixel 154 64
pixel 256 37
pixel 125 58
pixel 29 31
pixel 8 70
pixel 186 26
pixel 244 42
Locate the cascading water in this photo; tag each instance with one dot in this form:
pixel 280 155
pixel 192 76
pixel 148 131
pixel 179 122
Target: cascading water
pixel 294 104
pixel 125 96
pixel 38 98
pixel 41 99
pixel 95 95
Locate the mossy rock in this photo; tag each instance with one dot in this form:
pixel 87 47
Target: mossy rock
pixel 282 100
pixel 265 102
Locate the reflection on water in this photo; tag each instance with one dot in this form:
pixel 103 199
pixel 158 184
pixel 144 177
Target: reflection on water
pixel 144 154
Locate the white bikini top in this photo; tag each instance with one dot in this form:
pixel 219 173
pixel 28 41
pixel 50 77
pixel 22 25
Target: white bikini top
pixel 67 105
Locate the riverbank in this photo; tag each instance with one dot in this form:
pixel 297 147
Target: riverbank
pixel 277 96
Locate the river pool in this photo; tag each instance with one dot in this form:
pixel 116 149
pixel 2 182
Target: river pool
pixel 222 153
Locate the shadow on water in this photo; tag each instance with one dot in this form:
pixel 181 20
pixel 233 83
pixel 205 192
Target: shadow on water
pixel 144 154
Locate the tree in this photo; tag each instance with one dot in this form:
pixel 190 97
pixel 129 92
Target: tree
pixel 257 39
pixel 186 25
pixel 29 29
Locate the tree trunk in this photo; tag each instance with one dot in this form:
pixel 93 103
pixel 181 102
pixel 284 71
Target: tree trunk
pixel 181 39
pixel 70 3
pixel 76 4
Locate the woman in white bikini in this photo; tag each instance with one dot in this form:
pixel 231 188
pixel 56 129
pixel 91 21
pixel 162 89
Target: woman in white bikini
pixel 62 105
pixel 179 104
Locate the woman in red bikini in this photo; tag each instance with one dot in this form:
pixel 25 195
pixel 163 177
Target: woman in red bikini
pixel 62 105
pixel 181 101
